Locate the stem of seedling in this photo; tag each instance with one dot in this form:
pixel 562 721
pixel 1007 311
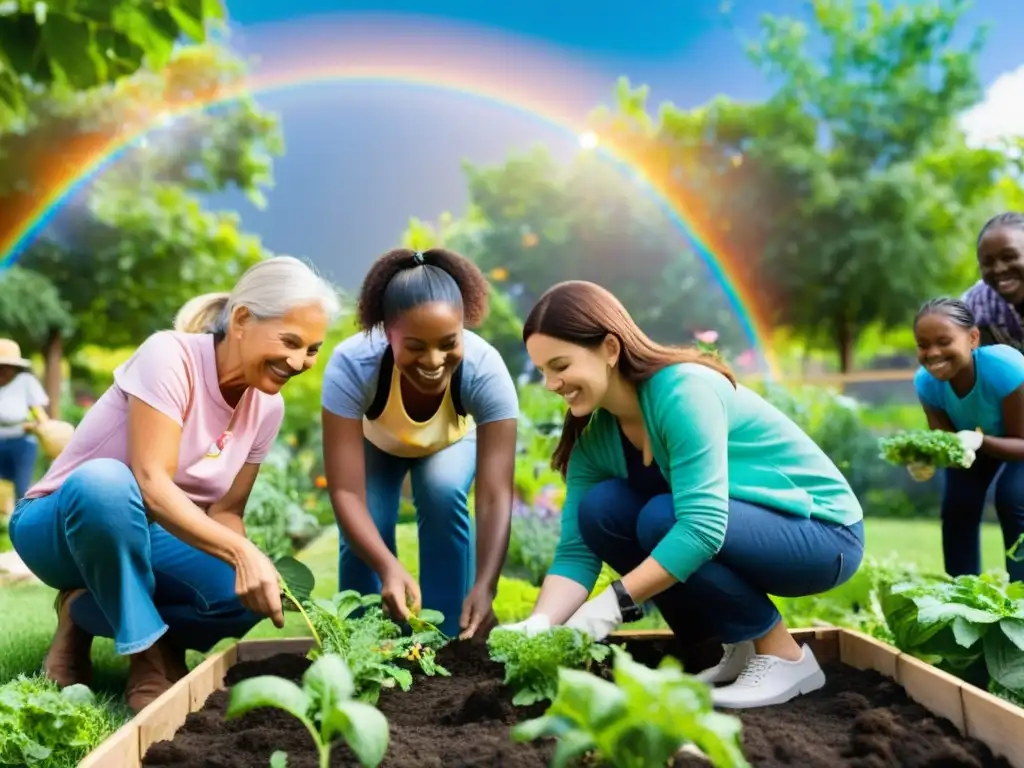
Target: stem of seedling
pixel 288 593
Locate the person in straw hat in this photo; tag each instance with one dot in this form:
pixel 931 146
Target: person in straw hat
pixel 22 399
pixel 139 521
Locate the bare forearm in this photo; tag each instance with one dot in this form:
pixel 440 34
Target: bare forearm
pixel 360 531
pixel 647 580
pixel 230 520
pixel 493 518
pixel 1003 448
pixel 168 505
pixel 560 598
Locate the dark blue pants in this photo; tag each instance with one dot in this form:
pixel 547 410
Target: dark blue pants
pixel 764 553
pixel 18 462
pixel 963 502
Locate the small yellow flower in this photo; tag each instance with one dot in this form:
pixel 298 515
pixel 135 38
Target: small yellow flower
pixel 320 482
pixel 530 239
pixel 292 440
pixel 499 274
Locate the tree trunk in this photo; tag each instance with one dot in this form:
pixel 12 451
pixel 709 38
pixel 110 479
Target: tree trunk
pixel 52 356
pixel 845 339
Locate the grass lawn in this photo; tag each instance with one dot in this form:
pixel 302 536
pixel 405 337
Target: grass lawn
pixel 29 618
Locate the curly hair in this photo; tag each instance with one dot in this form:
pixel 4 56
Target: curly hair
pixel 402 279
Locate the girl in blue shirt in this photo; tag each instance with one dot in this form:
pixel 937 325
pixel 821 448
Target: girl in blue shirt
pixel 965 388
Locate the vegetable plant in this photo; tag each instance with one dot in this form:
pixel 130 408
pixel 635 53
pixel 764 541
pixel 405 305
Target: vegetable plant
pixel 935 447
pixel 641 719
pixel 40 724
pixel 325 704
pixel 297 583
pixel 967 625
pixel 373 645
pixel 532 663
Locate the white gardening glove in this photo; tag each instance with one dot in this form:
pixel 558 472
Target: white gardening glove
pixel 971 440
pixel 598 617
pixel 920 471
pixel 532 626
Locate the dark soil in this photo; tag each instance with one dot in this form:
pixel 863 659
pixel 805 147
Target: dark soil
pixel 860 720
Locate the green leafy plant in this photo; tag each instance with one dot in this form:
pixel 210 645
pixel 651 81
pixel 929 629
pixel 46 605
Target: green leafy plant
pixel 641 718
pixel 325 704
pixel 373 645
pixel 970 626
pixel 924 446
pixel 297 583
pixel 532 663
pixel 40 724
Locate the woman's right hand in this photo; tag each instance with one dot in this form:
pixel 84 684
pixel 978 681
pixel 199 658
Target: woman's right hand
pixel 400 593
pixel 257 583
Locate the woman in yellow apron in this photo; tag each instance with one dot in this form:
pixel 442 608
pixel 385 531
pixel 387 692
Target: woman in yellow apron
pixel 417 393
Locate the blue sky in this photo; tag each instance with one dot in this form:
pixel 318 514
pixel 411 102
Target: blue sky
pixel 362 159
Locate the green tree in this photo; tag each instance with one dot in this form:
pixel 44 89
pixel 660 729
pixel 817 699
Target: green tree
pixel 537 223
pixel 75 45
pixel 33 313
pixel 138 243
pixel 851 189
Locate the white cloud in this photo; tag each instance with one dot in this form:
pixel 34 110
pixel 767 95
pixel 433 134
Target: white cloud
pixel 1000 114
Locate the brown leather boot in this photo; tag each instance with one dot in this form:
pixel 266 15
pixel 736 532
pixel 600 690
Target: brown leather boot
pixel 68 661
pixel 152 672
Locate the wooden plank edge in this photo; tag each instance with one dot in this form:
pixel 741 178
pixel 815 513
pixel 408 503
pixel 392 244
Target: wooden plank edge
pixel 995 722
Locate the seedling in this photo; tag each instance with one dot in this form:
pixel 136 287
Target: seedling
pixel 325 704
pixel 532 663
pixel 641 719
pixel 297 583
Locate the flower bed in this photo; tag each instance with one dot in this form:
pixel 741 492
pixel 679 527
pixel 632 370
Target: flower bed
pixel 861 718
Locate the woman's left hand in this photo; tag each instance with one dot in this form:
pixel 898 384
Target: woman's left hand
pixel 477 611
pixel 598 617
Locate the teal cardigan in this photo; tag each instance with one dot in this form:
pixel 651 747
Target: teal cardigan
pixel 712 442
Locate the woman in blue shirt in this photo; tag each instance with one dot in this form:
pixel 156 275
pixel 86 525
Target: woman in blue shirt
pixel 965 388
pixel 417 393
pixel 704 496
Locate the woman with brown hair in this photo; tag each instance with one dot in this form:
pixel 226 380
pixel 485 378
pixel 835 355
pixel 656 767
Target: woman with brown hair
pixel 703 495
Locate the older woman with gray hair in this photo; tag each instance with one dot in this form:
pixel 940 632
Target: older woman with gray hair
pixel 139 522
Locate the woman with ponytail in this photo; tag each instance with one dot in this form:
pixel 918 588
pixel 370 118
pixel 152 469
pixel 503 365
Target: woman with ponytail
pixel 139 522
pixel 416 393
pixel 703 496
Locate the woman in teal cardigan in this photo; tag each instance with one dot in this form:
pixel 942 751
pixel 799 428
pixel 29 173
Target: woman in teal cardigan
pixel 704 496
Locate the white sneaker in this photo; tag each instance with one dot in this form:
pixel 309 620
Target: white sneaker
pixel 734 659
pixel 769 680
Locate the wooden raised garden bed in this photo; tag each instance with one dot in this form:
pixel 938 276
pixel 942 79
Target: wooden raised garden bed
pixel 879 708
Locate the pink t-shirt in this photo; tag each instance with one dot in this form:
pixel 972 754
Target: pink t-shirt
pixel 159 374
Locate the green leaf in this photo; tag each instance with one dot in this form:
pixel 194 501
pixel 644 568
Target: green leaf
pixel 79 694
pixel 1014 630
pixel 1005 662
pixel 268 691
pixel 330 679
pixel 966 633
pixel 279 759
pixel 364 728
pixel 570 746
pixel 299 578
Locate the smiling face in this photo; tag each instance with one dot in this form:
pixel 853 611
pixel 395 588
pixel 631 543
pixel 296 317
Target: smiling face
pixel 427 344
pixel 273 351
pixel 943 347
pixel 580 375
pixel 1001 261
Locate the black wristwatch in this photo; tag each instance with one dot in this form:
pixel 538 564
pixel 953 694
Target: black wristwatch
pixel 627 606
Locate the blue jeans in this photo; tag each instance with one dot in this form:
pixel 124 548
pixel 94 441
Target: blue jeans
pixel 18 461
pixel 963 502
pixel 440 491
pixel 142 582
pixel 765 553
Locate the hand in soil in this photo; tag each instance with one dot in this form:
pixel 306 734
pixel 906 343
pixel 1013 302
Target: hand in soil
pixel 400 593
pixel 258 584
pixel 477 612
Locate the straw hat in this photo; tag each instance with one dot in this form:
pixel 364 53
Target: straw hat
pixel 10 354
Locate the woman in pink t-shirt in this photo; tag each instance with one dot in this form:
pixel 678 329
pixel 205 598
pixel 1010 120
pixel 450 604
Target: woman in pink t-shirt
pixel 138 523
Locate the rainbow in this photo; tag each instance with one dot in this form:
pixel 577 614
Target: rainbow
pixel 529 91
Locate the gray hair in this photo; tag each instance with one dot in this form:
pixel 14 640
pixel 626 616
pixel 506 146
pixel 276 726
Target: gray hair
pixel 269 289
